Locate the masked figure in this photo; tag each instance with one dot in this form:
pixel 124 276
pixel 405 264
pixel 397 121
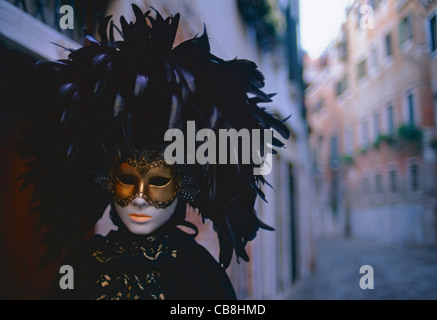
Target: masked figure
pixel 96 138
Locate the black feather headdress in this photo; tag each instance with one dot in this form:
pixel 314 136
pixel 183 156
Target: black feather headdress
pixel 111 97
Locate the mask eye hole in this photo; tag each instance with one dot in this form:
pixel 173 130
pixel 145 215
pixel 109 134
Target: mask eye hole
pixel 126 179
pixel 159 181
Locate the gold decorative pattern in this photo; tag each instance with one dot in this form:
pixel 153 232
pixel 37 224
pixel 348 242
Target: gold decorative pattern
pixel 125 285
pixel 143 166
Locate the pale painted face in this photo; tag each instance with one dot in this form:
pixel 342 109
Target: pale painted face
pixel 141 218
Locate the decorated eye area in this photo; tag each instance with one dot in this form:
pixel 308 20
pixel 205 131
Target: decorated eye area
pixel 127 179
pixel 155 182
pixel 159 181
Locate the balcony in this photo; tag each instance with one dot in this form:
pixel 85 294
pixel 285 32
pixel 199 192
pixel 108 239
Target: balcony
pixel 34 24
pixel 86 14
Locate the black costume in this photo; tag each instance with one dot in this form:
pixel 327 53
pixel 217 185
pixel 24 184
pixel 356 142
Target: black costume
pixel 110 103
pixel 165 265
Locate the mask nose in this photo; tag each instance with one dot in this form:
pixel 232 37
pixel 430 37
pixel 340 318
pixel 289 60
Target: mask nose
pixel 140 202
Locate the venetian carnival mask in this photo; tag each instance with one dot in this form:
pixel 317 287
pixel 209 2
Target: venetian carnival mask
pixel 155 182
pixel 145 193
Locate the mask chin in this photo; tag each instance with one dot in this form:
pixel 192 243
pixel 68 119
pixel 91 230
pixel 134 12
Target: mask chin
pixel 140 218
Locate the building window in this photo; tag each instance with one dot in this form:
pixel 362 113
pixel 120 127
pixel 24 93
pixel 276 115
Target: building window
pixel 342 85
pixel 334 152
pixel 378 183
pixel 366 185
pixel 377 125
pixel 319 153
pixel 435 112
pixel 410 109
pixel 365 134
pixel 388 45
pixel 414 177
pixel 374 3
pixel 405 30
pixel 393 181
pixel 390 120
pixel 362 69
pixel 374 63
pixel 433 33
pixel 359 17
pixel 319 105
pixel 349 140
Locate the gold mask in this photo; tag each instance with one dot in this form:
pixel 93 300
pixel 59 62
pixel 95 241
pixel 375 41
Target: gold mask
pixel 156 182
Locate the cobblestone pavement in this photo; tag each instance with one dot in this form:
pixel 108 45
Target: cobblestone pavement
pixel 399 273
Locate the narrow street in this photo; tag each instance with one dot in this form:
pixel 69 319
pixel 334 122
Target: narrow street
pixel 399 273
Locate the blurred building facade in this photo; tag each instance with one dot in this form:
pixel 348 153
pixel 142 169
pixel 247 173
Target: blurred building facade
pixel 371 108
pixel 263 31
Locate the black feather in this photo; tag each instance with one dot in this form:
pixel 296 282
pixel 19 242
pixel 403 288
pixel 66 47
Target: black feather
pixel 102 29
pixel 111 31
pixel 138 13
pixel 90 38
pixel 140 85
pixel 124 25
pixel 61 46
pixel 175 113
pixel 120 32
